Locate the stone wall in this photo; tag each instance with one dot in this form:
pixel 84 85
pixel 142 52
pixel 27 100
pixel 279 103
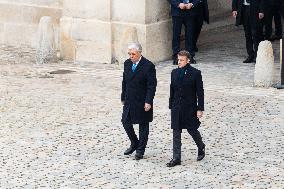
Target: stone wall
pixel 19 19
pixel 95 30
pixel 98 31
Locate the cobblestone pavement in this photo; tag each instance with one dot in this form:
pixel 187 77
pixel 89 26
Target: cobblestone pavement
pixel 64 130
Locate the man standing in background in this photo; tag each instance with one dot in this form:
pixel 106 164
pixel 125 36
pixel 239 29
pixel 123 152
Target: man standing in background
pixel 272 12
pixel 249 13
pixel 191 14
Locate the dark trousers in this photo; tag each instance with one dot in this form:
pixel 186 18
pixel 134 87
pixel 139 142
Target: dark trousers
pixel 273 12
pixel 252 30
pixel 192 25
pixel 140 144
pixel 195 134
pixel 197 32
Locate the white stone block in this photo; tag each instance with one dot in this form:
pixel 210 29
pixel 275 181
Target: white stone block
pixel 157 10
pixel 159 41
pixel 49 3
pixel 46 48
pixel 19 34
pixel 264 67
pixel 67 45
pixel 91 30
pixel 10 13
pixel 129 11
pixel 1 33
pixel 123 34
pixel 88 9
pixel 33 14
pixel 92 51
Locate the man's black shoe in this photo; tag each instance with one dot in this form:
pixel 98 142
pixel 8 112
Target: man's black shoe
pixel 130 150
pixel 173 163
pixel 138 156
pixel 249 59
pixel 192 61
pixel 201 153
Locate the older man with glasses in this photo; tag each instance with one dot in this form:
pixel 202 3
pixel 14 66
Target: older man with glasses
pixel 138 90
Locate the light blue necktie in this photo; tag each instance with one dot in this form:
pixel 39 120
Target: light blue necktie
pixel 134 67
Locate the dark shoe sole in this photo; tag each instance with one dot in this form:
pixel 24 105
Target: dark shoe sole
pixel 199 158
pixel 138 157
pixel 130 152
pixel 172 165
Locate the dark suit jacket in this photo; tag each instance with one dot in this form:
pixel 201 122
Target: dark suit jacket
pixel 256 6
pixel 186 97
pixel 138 88
pixel 274 2
pixel 200 8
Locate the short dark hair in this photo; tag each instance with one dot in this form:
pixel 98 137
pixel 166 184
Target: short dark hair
pixel 184 53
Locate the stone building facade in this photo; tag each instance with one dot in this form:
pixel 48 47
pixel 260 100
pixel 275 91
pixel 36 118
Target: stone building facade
pixel 95 30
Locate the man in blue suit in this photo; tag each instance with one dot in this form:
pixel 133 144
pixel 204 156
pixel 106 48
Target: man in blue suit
pixel 138 90
pixel 191 14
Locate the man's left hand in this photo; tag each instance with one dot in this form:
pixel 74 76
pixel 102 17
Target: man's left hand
pixel 199 114
pixel 260 15
pixel 147 107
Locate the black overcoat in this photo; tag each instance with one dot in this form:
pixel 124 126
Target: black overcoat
pixel 256 7
pixel 138 88
pixel 186 97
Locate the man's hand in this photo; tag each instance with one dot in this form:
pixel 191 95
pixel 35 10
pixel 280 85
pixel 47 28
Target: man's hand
pixel 260 15
pixel 235 13
pixel 182 6
pixel 199 114
pixel 189 6
pixel 147 107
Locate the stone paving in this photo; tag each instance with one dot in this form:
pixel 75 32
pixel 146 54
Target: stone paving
pixel 64 130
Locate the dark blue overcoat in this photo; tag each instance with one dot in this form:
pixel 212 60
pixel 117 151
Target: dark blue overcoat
pixel 186 97
pixel 138 88
pixel 256 7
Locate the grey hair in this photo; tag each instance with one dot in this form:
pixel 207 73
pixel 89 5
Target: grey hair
pixel 136 46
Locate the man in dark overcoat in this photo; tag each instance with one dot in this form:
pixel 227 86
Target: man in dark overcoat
pixel 199 26
pixel 138 91
pixel 272 12
pixel 249 13
pixel 187 105
pixel 191 14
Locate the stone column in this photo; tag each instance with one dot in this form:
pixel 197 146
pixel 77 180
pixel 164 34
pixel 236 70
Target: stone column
pixel 146 22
